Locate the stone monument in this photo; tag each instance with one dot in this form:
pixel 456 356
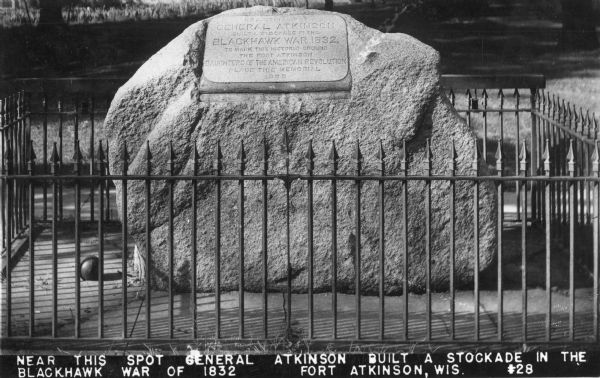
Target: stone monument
pixel 258 72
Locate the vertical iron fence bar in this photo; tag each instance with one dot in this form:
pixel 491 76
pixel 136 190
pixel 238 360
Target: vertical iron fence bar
pixel 217 263
pixel 18 159
pixel 54 170
pixel 92 157
pixel 147 192
pixel 107 186
pixel 501 113
pixel 588 172
pixel 565 185
pixel 242 167
pixel 534 153
pixel 288 184
pixel 517 144
pixel 310 166
pixel 4 135
pixel 170 184
pixel 8 236
pixel 23 147
pixel 572 219
pixel 452 243
pixel 77 169
pixel 553 165
pixel 357 171
pixel 381 200
pixel 539 204
pixel 548 222
pixel 45 154
pixel 100 244
pixel 265 266
pixel 475 168
pixel 404 195
pixel 16 165
pixel 523 172
pixel 596 236
pixel 469 96
pixel 485 123
pixel 500 198
pixel 194 257
pixel 124 249
pixel 427 162
pixel 582 151
pixel 76 119
pixel 333 158
pixel 31 170
pixel 60 156
pixel 590 187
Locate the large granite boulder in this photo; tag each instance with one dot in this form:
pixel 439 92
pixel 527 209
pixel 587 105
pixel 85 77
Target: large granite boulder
pixel 395 96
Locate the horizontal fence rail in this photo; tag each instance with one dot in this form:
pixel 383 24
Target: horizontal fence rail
pixel 540 163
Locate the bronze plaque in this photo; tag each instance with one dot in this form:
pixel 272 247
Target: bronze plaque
pixel 276 53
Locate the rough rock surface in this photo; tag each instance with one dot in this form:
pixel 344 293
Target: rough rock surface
pixel 395 96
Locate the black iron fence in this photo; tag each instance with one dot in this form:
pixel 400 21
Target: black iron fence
pixel 543 164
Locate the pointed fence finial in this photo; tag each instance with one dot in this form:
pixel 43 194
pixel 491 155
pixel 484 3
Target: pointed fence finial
pixel 310 157
pixel 148 158
pixel 452 157
pixel 403 158
pixel 571 158
pixel 546 157
pixel 381 158
pixel 54 159
pixel 31 160
pixel 171 161
pixel 357 157
pixel 516 93
pixel 218 158
pixel 333 157
pixel 523 158
pixel 427 156
pixel 265 154
pixel 196 159
pixel 241 158
pixel 475 161
pixel 499 157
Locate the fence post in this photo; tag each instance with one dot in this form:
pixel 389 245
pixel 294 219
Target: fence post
pixel 265 271
pixel 54 160
pixel 500 206
pixel 310 166
pixel 381 201
pixel 101 167
pixel 241 157
pixel 333 159
pixel 523 173
pixel 357 158
pixel 2 157
pixel 548 241
pixel 31 170
pixel 572 218
pixel 124 220
pixel 8 236
pixel 596 231
pixel 77 168
pixel 403 171
pixel 475 169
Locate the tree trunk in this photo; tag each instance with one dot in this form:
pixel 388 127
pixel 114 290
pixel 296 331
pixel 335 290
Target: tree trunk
pixel 329 5
pixel 51 12
pixel 579 27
